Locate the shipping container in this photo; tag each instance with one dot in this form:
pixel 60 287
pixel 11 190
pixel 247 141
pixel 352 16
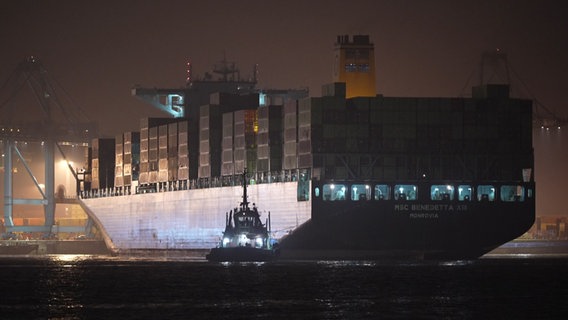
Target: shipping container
pixel 103 163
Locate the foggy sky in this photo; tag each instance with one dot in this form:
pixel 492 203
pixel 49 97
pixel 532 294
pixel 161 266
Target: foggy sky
pixel 97 50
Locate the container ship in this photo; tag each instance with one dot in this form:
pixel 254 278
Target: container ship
pixel 349 174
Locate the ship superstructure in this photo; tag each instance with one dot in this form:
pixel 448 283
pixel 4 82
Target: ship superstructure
pixel 355 65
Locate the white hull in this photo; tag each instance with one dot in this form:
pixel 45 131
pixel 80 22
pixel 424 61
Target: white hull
pixel 192 219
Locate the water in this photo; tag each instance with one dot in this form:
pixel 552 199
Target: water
pixel 96 287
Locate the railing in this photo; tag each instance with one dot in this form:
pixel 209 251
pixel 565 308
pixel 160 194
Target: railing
pixel 201 183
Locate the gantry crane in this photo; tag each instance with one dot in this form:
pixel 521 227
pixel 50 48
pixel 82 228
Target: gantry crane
pixel 495 68
pixel 53 123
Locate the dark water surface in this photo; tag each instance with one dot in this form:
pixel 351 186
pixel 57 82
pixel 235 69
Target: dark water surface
pixel 95 287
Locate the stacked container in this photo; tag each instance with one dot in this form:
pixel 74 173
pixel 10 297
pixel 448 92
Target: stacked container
pixel 172 154
pixel 153 155
pixel 211 132
pixel 183 173
pixel 391 138
pixel 118 162
pixel 144 178
pixel 163 153
pixel 304 134
pixel 227 153
pixel 131 159
pixel 207 115
pixel 127 159
pixel 245 130
pixel 290 161
pixel 149 161
pixel 269 139
pixel 102 163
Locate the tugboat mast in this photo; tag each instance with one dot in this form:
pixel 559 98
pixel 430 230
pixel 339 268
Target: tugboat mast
pixel 245 203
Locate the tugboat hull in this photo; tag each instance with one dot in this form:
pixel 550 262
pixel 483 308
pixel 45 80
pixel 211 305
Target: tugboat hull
pixel 240 254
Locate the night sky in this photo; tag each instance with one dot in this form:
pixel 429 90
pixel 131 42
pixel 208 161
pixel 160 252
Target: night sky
pixel 97 50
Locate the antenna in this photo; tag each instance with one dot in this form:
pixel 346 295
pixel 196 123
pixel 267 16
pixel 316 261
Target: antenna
pixel 188 74
pixel 256 73
pixel 225 69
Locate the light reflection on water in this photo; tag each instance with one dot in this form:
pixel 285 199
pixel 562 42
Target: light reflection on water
pixel 78 287
pixel 456 263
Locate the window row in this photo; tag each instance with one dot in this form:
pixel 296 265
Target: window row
pixel 354 67
pixel 409 192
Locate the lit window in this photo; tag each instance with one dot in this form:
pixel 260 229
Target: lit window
pixel 262 99
pixel 512 193
pixel 382 192
pixel 364 67
pixel 334 192
pixel 486 193
pixel 442 192
pixel 360 192
pixel 465 192
pixel 405 192
pixel 350 67
pixel 304 189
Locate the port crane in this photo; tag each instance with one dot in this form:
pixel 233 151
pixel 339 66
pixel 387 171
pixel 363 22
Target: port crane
pixel 546 119
pixel 54 125
pixel 494 67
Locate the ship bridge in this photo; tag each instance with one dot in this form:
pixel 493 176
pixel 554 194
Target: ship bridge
pixel 181 102
pixel 170 101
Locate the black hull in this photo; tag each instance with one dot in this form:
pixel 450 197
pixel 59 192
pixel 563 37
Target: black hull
pixel 414 229
pixel 240 254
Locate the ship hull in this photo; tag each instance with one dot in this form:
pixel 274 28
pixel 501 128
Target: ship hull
pixel 316 229
pixel 191 219
pixel 381 232
pixel 423 228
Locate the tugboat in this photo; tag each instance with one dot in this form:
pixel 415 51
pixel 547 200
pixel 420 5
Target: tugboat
pixel 245 237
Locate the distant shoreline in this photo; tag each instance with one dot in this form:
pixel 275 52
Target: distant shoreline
pixel 548 248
